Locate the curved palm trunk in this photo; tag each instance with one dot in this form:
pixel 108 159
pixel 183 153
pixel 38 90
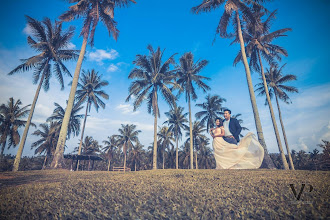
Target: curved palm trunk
pixel 82 134
pixel 58 156
pixel 191 138
pixel 163 159
pixel 284 135
pixel 154 162
pixel 177 154
pixel 43 166
pixel 27 126
pixel 278 139
pixel 267 160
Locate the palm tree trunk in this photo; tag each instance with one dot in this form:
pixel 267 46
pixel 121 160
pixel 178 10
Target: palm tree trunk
pixel 278 139
pixel 154 162
pixel 124 162
pixel 284 135
pixel 196 160
pixel 82 134
pixel 164 159
pixel 109 165
pixel 43 166
pixel 267 160
pixel 58 156
pixel 3 147
pixel 191 137
pixel 27 125
pixel 135 166
pixel 177 154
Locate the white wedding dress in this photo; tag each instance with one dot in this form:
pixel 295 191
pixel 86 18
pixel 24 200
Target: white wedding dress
pixel 248 154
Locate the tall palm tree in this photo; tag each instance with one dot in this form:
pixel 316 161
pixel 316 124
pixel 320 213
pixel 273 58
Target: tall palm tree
pixel 212 108
pixel 233 9
pixel 92 11
pixel 152 76
pixel 127 135
pixel 136 154
pixel 110 148
pixel 89 90
pixel 188 77
pixel 47 143
pixel 52 44
pixel 11 115
pixel 176 121
pixel 259 41
pixel 165 138
pixel 240 121
pixel 197 133
pixel 74 123
pixel 275 80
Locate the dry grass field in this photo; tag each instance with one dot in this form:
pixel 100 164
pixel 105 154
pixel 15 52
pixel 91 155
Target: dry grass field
pixel 165 194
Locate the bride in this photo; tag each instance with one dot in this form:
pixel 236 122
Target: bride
pixel 248 154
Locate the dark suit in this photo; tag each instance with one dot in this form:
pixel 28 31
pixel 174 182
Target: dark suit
pixel 234 128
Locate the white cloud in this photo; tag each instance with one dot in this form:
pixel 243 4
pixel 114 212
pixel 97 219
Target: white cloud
pixel 27 30
pixel 112 68
pixel 99 55
pixel 127 109
pixel 71 46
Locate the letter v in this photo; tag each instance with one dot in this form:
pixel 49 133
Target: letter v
pixel 294 191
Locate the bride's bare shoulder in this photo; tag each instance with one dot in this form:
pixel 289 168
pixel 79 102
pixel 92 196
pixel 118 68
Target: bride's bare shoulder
pixel 222 127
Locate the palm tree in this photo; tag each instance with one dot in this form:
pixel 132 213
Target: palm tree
pixel 197 133
pixel 176 121
pixel 11 115
pixel 52 44
pixel 188 76
pixel 152 76
pixel 47 143
pixel 89 91
pixel 110 148
pixel 233 8
pixel 206 155
pixel 92 11
pixel 128 135
pixel 165 138
pixel 184 155
pixel 74 123
pixel 259 41
pixel 212 108
pixel 136 154
pixel 240 121
pixel 275 80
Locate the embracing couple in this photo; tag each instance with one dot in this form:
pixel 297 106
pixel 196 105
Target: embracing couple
pixel 247 154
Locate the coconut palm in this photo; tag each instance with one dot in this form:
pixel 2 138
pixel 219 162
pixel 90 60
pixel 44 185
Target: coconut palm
pixel 128 135
pixel 92 11
pixel 233 10
pixel 89 90
pixel 165 138
pixel 11 119
pixel 110 148
pixel 259 42
pixel 275 80
pixel 188 77
pixel 136 154
pixel 74 123
pixel 197 133
pixel 47 143
pixel 176 121
pixel 212 108
pixel 152 77
pixel 51 43
pixel 240 121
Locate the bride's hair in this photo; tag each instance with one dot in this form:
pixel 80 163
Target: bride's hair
pixel 220 121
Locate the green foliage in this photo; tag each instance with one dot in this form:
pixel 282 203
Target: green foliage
pixel 163 194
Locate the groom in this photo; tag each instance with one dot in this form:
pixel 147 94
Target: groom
pixel 232 128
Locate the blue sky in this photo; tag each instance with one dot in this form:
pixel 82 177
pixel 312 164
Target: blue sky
pixel 170 24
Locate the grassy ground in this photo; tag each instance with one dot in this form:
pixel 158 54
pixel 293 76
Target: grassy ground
pixel 164 194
